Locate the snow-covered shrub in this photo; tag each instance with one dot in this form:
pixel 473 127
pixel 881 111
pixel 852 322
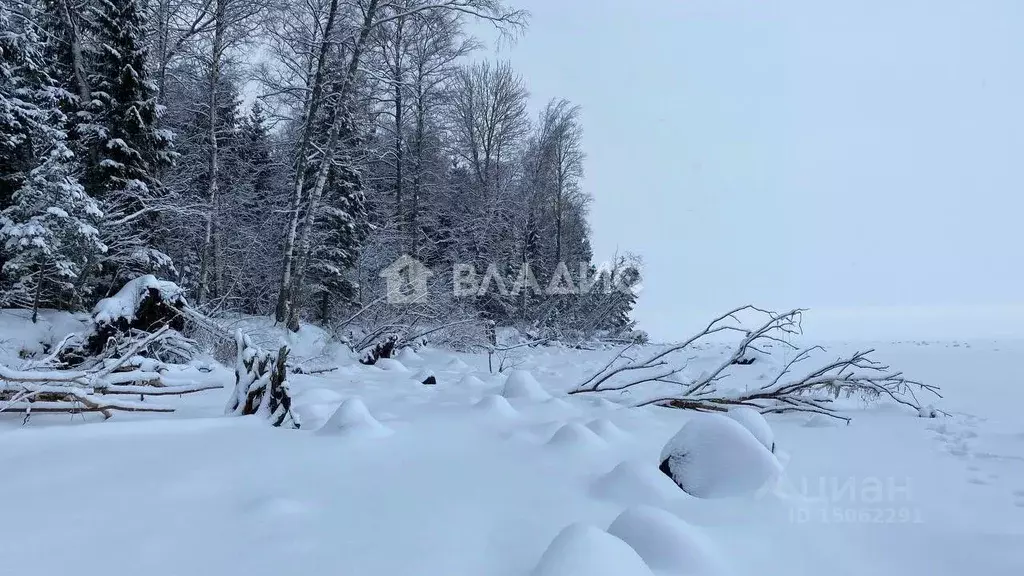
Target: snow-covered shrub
pixel 713 456
pixel 261 386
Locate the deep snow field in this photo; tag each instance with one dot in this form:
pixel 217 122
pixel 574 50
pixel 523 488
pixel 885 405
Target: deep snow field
pixel 458 480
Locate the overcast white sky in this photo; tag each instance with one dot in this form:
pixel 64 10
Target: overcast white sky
pixel 826 154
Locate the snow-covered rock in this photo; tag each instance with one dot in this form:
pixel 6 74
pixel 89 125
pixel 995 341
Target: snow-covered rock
pixel 576 436
pixel 522 385
pixel 713 456
pixel 391 365
pixel 665 542
pixel 755 423
pixel 352 418
pixel 584 550
pixel 494 405
pixel 632 482
pixel 425 377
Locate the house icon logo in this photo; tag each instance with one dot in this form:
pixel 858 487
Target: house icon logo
pixel 406 280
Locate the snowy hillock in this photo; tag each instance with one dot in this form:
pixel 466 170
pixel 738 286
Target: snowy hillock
pixel 521 385
pixel 353 419
pixel 583 550
pixel 668 544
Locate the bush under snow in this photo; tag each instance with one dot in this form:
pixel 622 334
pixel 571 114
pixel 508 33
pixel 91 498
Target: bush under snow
pixel 713 456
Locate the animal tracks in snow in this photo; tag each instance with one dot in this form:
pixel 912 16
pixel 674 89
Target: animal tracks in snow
pixel 988 454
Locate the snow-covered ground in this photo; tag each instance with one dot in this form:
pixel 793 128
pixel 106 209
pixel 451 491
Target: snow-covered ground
pixel 472 477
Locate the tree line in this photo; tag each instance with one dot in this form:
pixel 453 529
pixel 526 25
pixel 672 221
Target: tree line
pixel 274 157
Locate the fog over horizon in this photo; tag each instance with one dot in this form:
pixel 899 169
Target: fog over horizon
pixel 853 157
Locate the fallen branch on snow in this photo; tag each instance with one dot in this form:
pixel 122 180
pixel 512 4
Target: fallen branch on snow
pixel 814 392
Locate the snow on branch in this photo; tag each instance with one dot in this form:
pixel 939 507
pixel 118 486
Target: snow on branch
pixel 813 392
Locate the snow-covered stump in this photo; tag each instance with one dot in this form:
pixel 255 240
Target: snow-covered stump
pixel 261 386
pixel 386 348
pixel 141 307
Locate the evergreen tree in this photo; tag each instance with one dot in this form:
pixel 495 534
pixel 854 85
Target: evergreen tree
pixel 47 221
pixel 49 231
pixel 342 224
pixel 128 151
pixel 29 117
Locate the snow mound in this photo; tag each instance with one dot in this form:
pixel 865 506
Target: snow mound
pixel 633 482
pixel 713 456
pixel 391 365
pixel 755 423
pixel 457 365
pixel 471 381
pixel 408 356
pixel 665 542
pixel 575 435
pixel 495 405
pixel 607 430
pixel 583 550
pixel 352 418
pixel 521 384
pixel 424 375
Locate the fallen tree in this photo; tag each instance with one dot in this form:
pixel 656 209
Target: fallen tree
pixel 41 387
pixel 812 392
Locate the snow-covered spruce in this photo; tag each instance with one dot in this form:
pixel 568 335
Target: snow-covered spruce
pixel 261 386
pixel 713 456
pixel 585 550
